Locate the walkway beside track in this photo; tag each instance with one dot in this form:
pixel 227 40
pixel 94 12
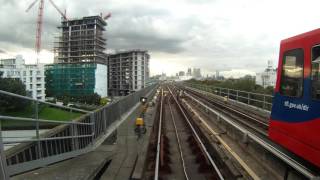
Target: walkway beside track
pixel 80 168
pixel 129 160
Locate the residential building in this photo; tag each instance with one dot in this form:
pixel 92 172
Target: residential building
pixel 80 64
pixel 128 71
pixel 268 77
pixel 32 75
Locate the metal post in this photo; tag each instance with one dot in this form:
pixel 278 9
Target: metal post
pixel 37 129
pixel 228 94
pixel 92 127
pixel 104 121
pixel 3 163
pixel 237 95
pixel 264 101
pixel 248 98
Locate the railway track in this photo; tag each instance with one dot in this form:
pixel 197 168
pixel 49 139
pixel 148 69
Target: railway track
pixel 251 121
pixel 230 116
pixel 180 152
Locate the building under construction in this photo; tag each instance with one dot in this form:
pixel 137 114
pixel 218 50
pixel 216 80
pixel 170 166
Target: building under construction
pixel 81 41
pixel 80 65
pixel 128 71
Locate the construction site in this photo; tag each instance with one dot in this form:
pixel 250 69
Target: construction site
pixel 82 41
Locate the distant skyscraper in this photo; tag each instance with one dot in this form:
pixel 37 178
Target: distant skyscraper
pixel 217 74
pixel 181 73
pixel 196 73
pixel 189 72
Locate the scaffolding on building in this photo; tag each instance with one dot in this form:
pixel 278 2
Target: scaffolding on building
pixel 81 41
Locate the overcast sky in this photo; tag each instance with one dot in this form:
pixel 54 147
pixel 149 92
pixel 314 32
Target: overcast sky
pixel 238 36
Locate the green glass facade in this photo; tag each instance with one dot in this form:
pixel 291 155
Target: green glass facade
pixel 70 79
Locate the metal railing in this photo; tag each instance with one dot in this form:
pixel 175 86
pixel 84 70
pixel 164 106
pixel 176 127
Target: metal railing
pixel 263 101
pixel 65 139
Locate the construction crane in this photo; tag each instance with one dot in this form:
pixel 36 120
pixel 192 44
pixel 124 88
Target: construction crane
pixel 40 22
pixel 107 16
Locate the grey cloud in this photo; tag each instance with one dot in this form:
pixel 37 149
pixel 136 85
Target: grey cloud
pixel 132 26
pixel 3 51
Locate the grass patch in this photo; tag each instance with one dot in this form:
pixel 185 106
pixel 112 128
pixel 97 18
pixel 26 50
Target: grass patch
pixel 45 112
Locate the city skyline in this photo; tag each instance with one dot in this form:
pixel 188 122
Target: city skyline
pixel 241 37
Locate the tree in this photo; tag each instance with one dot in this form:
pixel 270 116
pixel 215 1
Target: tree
pixel 10 103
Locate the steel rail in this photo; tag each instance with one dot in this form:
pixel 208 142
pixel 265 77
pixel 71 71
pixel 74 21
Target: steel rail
pixel 281 155
pixel 179 144
pixel 236 112
pixel 225 145
pixel 198 139
pixel 156 171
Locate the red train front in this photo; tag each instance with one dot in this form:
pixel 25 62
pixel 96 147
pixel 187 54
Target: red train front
pixel 295 116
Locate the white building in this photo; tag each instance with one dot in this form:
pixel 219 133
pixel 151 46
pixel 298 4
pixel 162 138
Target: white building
pixel 268 77
pixel 31 75
pixel 128 71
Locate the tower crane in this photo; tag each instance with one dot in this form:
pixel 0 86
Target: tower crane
pixel 40 22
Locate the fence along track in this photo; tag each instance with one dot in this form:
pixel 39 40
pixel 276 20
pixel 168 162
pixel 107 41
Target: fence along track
pixel 260 141
pixel 68 139
pixel 257 125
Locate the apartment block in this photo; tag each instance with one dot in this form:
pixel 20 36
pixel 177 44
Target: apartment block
pixel 128 71
pixel 32 75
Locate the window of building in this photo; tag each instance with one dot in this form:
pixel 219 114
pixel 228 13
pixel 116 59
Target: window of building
pixel 30 86
pixel 315 69
pixel 31 79
pixel 38 72
pixel 30 73
pixel 291 83
pixel 24 73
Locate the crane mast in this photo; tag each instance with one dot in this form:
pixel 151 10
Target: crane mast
pixel 39 29
pixel 40 22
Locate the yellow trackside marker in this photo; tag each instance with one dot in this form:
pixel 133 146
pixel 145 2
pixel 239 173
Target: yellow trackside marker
pixel 139 122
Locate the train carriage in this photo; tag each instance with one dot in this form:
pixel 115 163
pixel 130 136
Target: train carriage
pixel 295 116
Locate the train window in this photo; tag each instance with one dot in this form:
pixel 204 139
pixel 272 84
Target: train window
pixel 292 73
pixel 315 77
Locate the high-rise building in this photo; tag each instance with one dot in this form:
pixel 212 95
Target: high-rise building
pixel 32 75
pixel 128 71
pixel 181 73
pixel 189 72
pixel 81 40
pixel 196 73
pixel 80 65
